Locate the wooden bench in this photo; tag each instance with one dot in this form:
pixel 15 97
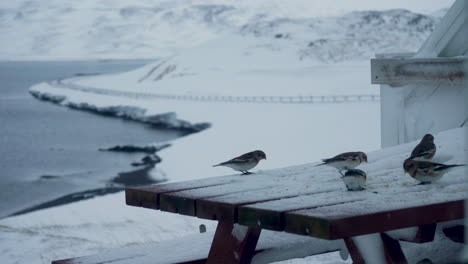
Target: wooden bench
pixel 194 249
pixel 313 202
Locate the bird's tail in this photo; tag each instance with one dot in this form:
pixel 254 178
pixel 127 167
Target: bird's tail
pixel 320 164
pixel 217 165
pixel 449 166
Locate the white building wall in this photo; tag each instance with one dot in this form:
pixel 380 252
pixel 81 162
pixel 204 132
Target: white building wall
pixel 411 110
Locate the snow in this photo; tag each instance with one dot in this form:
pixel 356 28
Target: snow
pixel 217 145
pixel 283 126
pixel 239 232
pixel 246 62
pixel 441 250
pixel 88 227
pixel 413 110
pixel 144 29
pixel 91 226
pixel 238 127
pixel 136 113
pixel 383 162
pixel 371 248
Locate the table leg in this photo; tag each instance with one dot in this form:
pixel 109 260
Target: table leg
pixel 391 250
pixel 455 233
pixel 424 234
pixel 233 243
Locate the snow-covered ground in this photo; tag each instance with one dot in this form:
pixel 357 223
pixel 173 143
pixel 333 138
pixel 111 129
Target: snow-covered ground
pixel 290 133
pixel 91 226
pixel 253 53
pixel 36 29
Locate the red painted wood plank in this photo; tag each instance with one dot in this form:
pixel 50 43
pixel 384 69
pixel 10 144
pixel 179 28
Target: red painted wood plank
pixel 183 202
pixel 225 207
pixel 148 196
pixel 323 223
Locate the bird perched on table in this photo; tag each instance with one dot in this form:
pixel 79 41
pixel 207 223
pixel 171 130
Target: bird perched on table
pixel 244 162
pixel 426 171
pixel 346 161
pixel 425 149
pixel 355 180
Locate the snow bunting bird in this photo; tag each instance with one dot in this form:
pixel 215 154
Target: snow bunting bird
pixel 355 180
pixel 346 161
pixel 425 149
pixel 244 162
pixel 426 171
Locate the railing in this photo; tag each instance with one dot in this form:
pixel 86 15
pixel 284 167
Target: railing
pixel 312 99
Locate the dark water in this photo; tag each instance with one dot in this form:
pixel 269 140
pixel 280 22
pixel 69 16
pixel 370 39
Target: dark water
pixel 49 154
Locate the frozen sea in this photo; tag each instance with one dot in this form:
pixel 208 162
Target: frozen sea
pixel 49 154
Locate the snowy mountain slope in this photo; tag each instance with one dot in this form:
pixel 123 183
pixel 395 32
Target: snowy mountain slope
pixel 142 29
pixel 263 58
pixel 355 35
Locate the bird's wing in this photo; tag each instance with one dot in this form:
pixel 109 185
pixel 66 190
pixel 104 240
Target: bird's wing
pixel 427 167
pixel 245 158
pixel 342 157
pixel 422 150
pixel 416 151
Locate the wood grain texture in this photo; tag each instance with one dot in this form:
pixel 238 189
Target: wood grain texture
pixel 148 196
pixel 331 224
pixel 430 71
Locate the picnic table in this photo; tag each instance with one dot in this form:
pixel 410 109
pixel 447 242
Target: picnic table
pixel 313 201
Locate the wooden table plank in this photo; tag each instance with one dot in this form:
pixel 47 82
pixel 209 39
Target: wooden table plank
pixel 261 186
pixel 225 207
pixel 148 196
pixel 335 222
pixel 323 182
pixel 270 214
pixel 183 202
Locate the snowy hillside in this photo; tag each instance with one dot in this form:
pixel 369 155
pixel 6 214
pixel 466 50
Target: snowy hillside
pixel 144 29
pixel 355 35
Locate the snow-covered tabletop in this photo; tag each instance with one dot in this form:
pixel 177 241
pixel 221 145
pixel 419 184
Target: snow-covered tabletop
pixel 310 200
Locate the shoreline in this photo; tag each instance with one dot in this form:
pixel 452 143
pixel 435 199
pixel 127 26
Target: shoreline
pixel 141 176
pixel 132 113
pixel 53 155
